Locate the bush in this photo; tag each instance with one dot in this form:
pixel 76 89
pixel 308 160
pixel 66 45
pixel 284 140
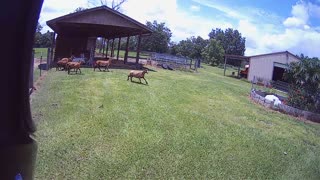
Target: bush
pixel 304 79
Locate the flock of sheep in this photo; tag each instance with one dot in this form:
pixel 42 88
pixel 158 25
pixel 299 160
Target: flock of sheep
pixel 68 65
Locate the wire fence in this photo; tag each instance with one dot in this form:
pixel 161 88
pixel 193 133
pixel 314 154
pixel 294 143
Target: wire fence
pixel 175 62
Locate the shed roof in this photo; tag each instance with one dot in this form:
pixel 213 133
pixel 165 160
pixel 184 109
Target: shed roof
pixel 237 57
pixel 275 53
pixel 98 22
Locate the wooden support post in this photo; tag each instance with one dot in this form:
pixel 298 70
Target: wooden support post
pixel 103 46
pixel 48 58
pixel 31 71
pixel 112 48
pixel 118 48
pixel 107 49
pixel 225 66
pixel 52 57
pixel 127 51
pixel 138 49
pixel 239 71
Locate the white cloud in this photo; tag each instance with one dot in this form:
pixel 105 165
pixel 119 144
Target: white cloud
pixel 314 10
pixel 300 16
pixel 265 32
pixel 294 22
pixel 54 8
pixel 301 13
pixel 227 10
pixel 295 40
pixel 195 8
pixel 181 23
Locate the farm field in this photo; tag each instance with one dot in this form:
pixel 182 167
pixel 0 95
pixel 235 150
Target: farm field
pixel 98 125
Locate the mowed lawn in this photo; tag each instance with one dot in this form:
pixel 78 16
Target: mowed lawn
pixel 38 52
pixel 188 125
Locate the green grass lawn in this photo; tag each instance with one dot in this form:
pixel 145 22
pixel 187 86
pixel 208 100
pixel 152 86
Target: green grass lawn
pixel 182 125
pixel 36 74
pixel 40 51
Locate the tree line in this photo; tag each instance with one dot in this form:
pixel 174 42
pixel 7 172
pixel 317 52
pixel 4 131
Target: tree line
pixel 42 40
pixel 209 50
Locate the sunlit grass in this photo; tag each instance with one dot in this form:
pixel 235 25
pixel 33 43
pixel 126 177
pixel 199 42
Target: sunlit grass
pixel 38 52
pixel 188 125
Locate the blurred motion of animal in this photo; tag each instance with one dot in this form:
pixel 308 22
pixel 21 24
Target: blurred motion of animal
pixel 137 74
pixel 61 64
pixel 102 63
pixel 73 65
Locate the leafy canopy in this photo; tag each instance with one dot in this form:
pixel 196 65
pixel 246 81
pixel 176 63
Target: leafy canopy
pixel 159 40
pixel 231 40
pixel 304 78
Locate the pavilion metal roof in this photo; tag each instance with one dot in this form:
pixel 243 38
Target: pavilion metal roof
pixel 98 22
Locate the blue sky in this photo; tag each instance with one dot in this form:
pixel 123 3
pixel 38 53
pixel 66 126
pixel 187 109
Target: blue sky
pixel 269 26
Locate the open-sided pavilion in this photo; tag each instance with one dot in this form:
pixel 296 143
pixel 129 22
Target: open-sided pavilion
pixel 235 58
pixel 77 32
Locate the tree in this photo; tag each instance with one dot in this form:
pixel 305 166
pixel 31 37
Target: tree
pixel 173 48
pixel 304 79
pixel 79 9
pixel 42 40
pixel 159 40
pixel 213 53
pixel 231 40
pixel 113 4
pixel 185 48
pixel 46 39
pixel 198 45
pixel 37 36
pixel 191 47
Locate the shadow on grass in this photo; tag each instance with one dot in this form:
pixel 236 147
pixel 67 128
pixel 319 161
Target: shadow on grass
pixel 76 74
pixel 102 71
pixel 136 82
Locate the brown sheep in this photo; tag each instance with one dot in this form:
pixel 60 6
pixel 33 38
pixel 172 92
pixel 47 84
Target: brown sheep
pixel 102 63
pixel 62 63
pixel 137 74
pixel 73 65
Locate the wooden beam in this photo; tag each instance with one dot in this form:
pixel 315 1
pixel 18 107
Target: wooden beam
pixel 112 48
pixel 118 48
pixel 107 49
pixel 127 50
pixel 225 66
pixel 138 49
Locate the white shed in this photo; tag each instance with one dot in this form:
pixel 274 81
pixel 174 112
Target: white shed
pixel 270 66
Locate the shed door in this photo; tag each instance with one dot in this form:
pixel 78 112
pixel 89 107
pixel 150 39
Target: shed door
pixel 278 71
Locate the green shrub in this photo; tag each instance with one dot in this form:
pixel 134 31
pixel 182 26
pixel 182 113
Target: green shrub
pixel 304 79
